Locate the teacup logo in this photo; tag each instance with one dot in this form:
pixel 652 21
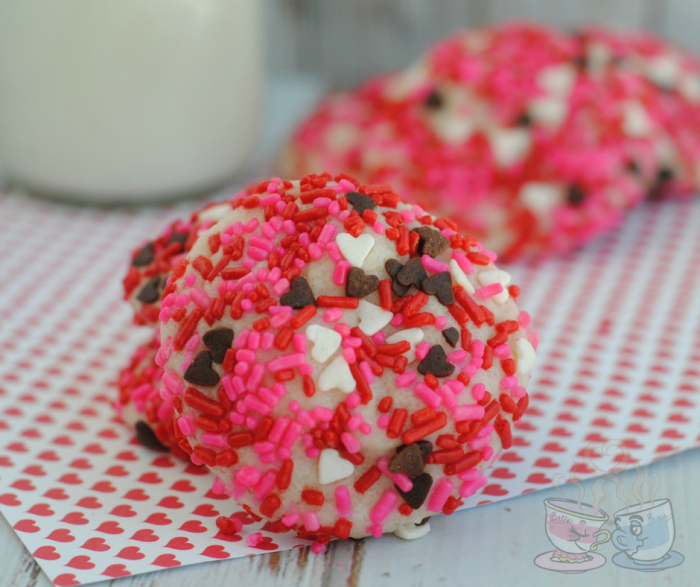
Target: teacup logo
pixel 645 534
pixel 574 529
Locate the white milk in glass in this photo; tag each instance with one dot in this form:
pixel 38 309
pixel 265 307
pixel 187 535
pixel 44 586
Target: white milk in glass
pixel 128 100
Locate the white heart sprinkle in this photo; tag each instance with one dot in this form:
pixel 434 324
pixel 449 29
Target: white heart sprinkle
pixel 412 335
pixel 412 531
pixel 337 376
pixel 496 276
pixel 372 318
pixel 461 277
pixel 332 467
pixel 508 146
pixel 540 197
pixel 526 356
pixel 326 342
pixel 355 250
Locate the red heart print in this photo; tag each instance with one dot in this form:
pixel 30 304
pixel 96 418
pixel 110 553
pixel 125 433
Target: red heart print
pixel 35 470
pixel 643 413
pixel 560 417
pixel 132 553
pixel 89 412
pixel 117 471
pixel 66 580
pixel 56 494
pixel 78 426
pixel 196 470
pixel 49 455
pixel 47 553
pixel 31 433
pixel 671 433
pixel 76 518
pixel 266 544
pixel 526 426
pixel 205 510
pixel 678 418
pixel 215 551
pixel 632 443
pixel 10 499
pixel 158 519
pixel 163 462
pixel 41 509
pixel 559 432
pixel 109 528
pixel 194 526
pixel 681 403
pixel 145 535
pixel 665 448
pixel 228 537
pixel 511 457
pixel 95 449
pixel 538 478
pixel 244 517
pixel 82 464
pixel 26 526
pixel 166 560
pixel 546 462
pixel 171 502
pixel 123 511
pixel 81 562
pixel 638 428
pixel 108 433
pixel 127 455
pixel 61 535
pixel 217 496
pixel 150 478
pixel 70 479
pixel 103 487
pixel 89 503
pixel 180 543
pixel 602 422
pixel 647 397
pixel 595 437
pixel 572 401
pixel 23 485
pixel 63 440
pixel 116 571
pixel 494 489
pixel 6 462
pixel 96 544
pixel 137 495
pixel 251 513
pixel 502 473
pixel 183 485
pixel 520 441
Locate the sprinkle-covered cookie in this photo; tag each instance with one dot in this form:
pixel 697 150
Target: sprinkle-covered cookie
pixel 328 405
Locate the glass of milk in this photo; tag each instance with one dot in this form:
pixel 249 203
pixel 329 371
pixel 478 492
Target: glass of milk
pixel 128 100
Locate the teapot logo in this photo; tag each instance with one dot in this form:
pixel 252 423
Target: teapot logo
pixel 643 533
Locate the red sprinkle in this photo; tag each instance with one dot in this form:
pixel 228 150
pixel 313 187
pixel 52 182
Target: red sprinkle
pixel 367 480
pixel 419 432
pixel 398 419
pixel 344 303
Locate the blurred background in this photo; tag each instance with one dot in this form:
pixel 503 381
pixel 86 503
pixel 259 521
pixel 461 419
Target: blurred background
pixel 344 41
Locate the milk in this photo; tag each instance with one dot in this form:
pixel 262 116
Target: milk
pixel 127 100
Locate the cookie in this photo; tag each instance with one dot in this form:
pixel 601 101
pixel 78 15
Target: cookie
pixel 332 414
pixel 501 129
pixel 140 404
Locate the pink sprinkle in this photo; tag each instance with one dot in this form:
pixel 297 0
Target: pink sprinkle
pixel 281 287
pixel 258 253
pixel 173 383
pixel 440 322
pixel 200 297
pixel 397 320
pixel 263 447
pixel 342 329
pixel 366 371
pixel 478 349
pixel 299 341
pixel 251 422
pixel 428 395
pixel 340 273
pixel 238 385
pixel 218 487
pixel 491 255
pixel 353 400
pixel 447 396
pixel 318 548
pixel 251 225
pixel 455 385
pixel 241 339
pixel 334 252
pixel 307 440
pixel 263 243
pixel 433 265
pixel 186 424
pixel 442 491
pixel 312 453
pixel 256 376
pixel 326 234
pixel 247 305
pixel 311 523
pixel 378 338
pixel 478 392
pixel 190 280
pixel 349 355
pixel 524 319
pixel 168 301
pixel 401 479
pixel 333 209
pixel 267 340
pixel 182 300
pixel 274 275
pixel 457 356
pixel 217 440
pixel 479 443
pixel 321 202
pixel 323 414
pixel 289 227
pixel 404 380
pixel 487 453
pixel 488 291
pixel 518 392
pixel 249 263
pixel 508 382
pixel 352 341
pixel 422 350
pixel 254 539
pixel 354 422
pixel 164 315
pixel 365 428
pixel 267 482
pixel 290 520
pixel 248 476
pixel 274 310
pixel 236 418
pixel 303 417
pixel 278 429
pixel 245 355
pixel 383 421
pixel 502 351
pixel 268 231
pixel 280 320
pixel 315 252
pixel 286 362
pixel 299 263
pixel 283 452
pixel 351 443
pixel 384 507
pixel 344 215
pixel 333 315
pixel 306 370
pixel 470 412
pixel 407 216
pixel 464 263
pixel 533 338
pixel 376 530
pixel 241 368
pixel 472 484
pixel 304 239
pixel 347 185
pixel 378 227
pixel 343 503
pixel 256 404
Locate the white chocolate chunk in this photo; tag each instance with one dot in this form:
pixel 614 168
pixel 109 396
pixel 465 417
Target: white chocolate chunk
pixel 550 110
pixel 663 70
pixel 525 355
pixel 557 79
pixel 372 318
pixel 496 276
pixel 332 467
pixel 461 277
pixel 412 531
pixel 355 250
pixel 326 342
pixel 413 335
pixel 509 145
pixel 337 376
pixel 636 121
pixel 540 197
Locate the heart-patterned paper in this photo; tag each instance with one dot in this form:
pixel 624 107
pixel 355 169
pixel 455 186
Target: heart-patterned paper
pixel 619 361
